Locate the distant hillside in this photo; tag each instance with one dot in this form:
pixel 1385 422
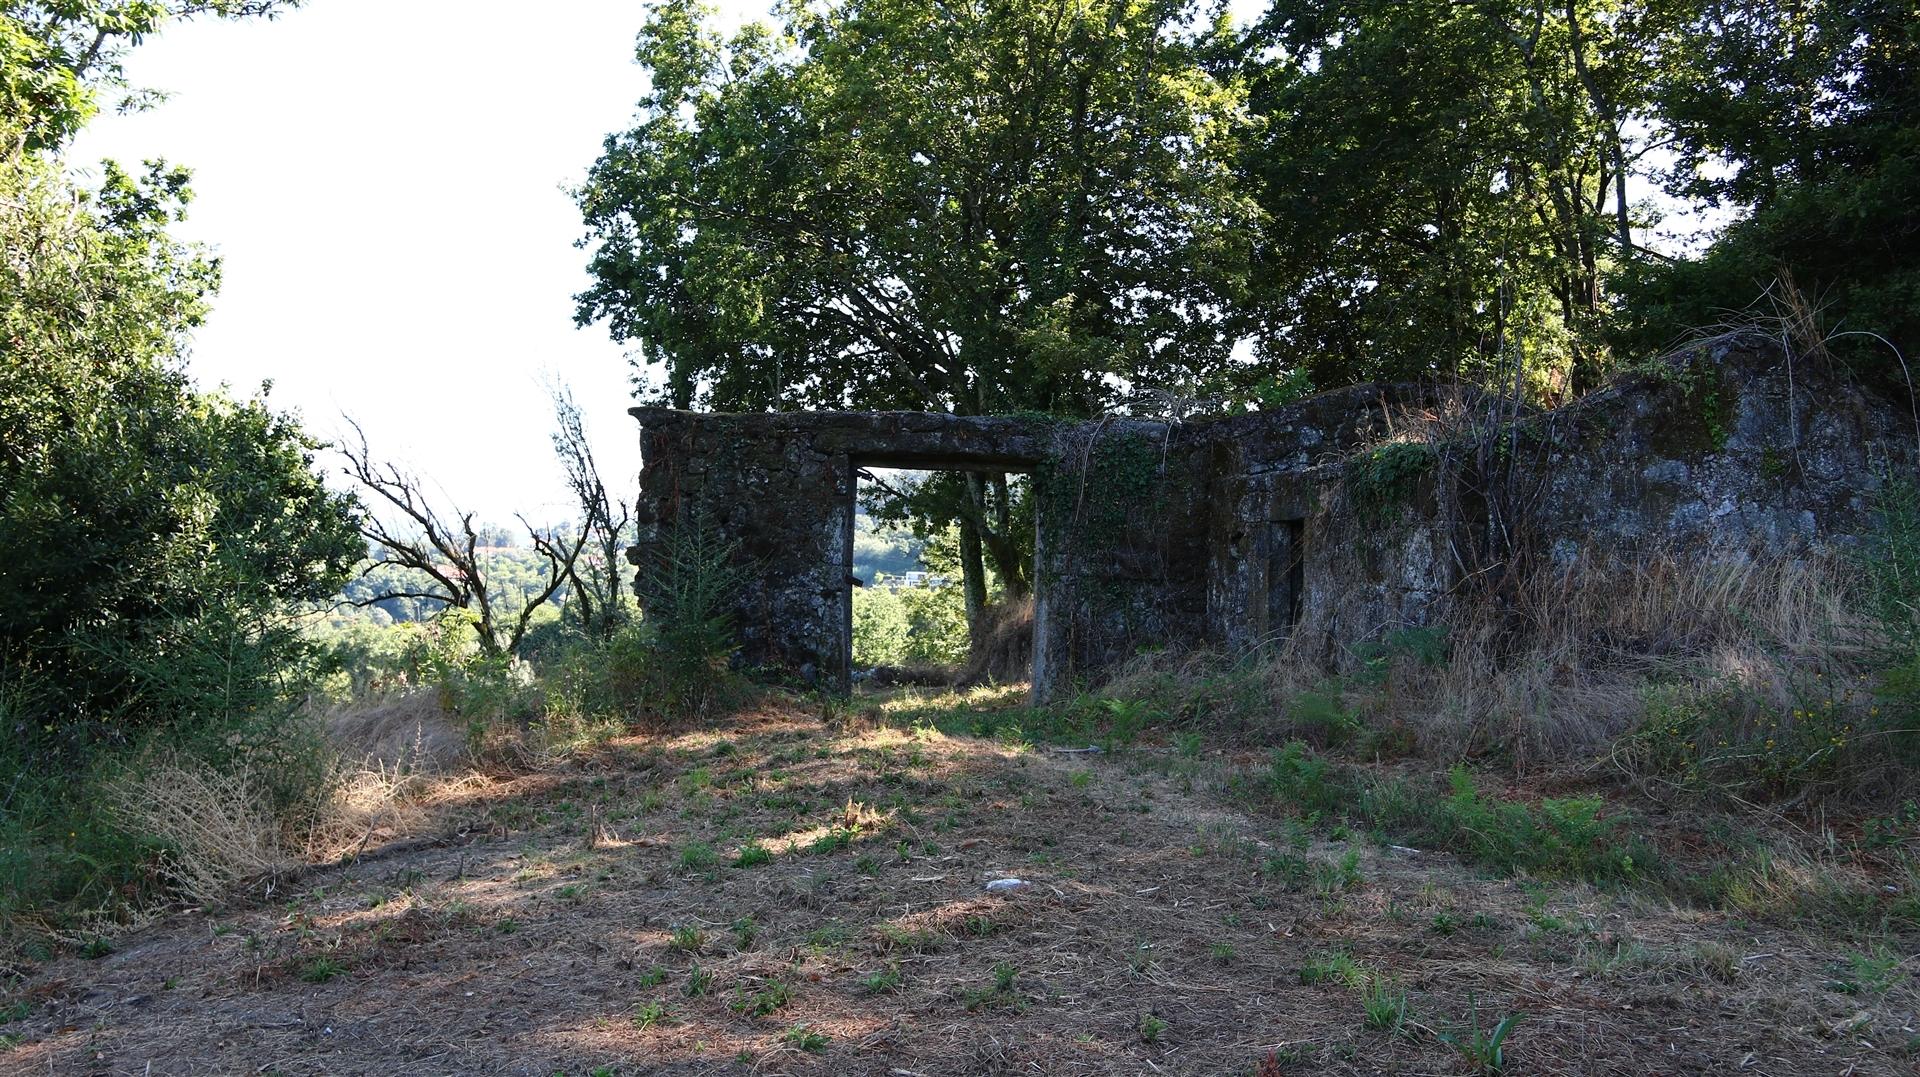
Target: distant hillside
pixel 877 550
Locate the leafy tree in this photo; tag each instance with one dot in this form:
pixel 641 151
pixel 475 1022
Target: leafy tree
pixel 132 506
pixel 56 56
pixel 1805 116
pixel 158 537
pixel 983 207
pixel 882 550
pixel 1444 186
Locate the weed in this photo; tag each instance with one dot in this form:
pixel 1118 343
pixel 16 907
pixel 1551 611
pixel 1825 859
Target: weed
pixel 1222 953
pixel 764 1001
pixel 688 939
pixel 1444 923
pixel 1001 994
pixel 882 982
pixel 697 856
pixel 980 926
pixel 744 932
pixel 1339 876
pixel 752 854
pixel 1141 957
pixel 805 1038
pixel 1003 975
pixel 1126 719
pixel 1386 1004
pixel 867 865
pixel 832 841
pixel 645 1017
pixel 1717 961
pixel 829 934
pixel 321 969
pixel 653 977
pixel 1332 967
pixel 699 982
pixel 1867 974
pixel 1151 1028
pixel 1291 871
pixel 918 940
pixel 1483 1049
pixel 96 948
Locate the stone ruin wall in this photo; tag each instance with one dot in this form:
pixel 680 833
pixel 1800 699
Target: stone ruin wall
pixel 1330 521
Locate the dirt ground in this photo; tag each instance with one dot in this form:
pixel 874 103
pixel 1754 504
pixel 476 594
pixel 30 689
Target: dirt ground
pixel 600 919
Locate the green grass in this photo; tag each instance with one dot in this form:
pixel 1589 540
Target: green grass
pixel 697 856
pixel 1564 838
pixel 745 930
pixel 882 981
pixel 765 1001
pixel 918 940
pixel 829 934
pixel 321 969
pixel 1001 995
pixel 1385 1004
pixel 1151 1028
pixel 806 1038
pixel 831 842
pixel 649 1015
pixel 1332 967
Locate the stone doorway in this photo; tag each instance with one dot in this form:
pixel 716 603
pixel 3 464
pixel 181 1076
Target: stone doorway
pixel 910 613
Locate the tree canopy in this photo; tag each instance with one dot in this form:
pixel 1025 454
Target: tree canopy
pixel 148 524
pixel 1042 205
pixel 976 207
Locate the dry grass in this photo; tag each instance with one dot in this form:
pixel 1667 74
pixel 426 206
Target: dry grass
pixel 561 927
pixel 220 829
pixel 410 732
pixel 1554 671
pixel 393 763
pixel 1563 666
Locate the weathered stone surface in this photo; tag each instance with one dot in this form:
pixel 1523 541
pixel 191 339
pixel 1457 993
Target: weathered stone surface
pixel 1237 531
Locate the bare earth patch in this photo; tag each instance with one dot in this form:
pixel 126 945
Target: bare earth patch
pixel 781 895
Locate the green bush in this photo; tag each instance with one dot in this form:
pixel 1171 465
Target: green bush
pixel 1566 837
pixel 689 591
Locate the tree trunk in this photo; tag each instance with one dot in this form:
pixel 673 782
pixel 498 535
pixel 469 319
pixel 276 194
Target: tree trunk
pixel 1009 559
pixel 973 571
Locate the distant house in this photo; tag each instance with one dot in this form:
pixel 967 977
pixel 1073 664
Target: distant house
pixel 911 579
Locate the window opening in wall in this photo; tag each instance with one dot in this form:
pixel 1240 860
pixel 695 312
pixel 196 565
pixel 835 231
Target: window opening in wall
pixel 913 617
pixel 1286 575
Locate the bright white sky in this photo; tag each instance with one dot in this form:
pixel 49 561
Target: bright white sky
pixel 385 182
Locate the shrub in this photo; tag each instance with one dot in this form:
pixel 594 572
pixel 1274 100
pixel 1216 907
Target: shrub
pixel 215 827
pixel 689 588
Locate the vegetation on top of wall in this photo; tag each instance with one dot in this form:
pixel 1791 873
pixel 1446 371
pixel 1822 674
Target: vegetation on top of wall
pixel 1382 480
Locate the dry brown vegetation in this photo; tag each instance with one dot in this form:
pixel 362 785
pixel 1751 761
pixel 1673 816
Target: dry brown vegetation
pixel 793 892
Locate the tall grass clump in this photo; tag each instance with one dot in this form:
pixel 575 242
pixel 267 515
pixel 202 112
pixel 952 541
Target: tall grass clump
pixel 1762 674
